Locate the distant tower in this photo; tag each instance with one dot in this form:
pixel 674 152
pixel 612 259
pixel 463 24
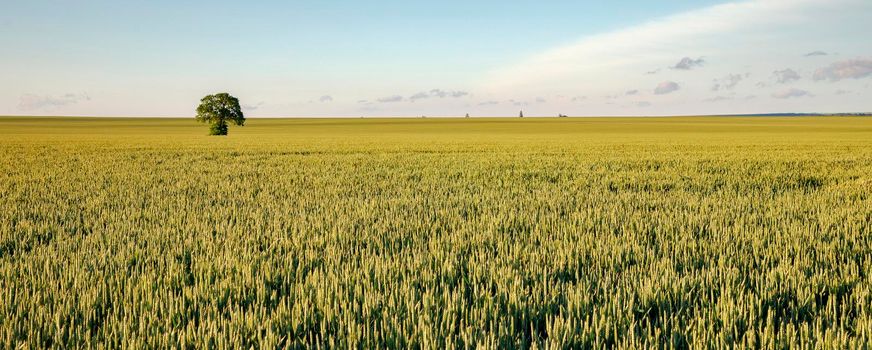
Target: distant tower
pixel 521 115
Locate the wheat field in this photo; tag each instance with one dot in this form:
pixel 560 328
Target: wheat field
pixel 690 232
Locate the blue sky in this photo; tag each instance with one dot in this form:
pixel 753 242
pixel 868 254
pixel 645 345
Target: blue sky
pixel 402 58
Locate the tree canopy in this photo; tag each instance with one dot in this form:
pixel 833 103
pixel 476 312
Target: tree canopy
pixel 218 110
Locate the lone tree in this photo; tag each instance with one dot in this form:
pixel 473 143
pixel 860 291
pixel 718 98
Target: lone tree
pixel 217 110
pixel 521 115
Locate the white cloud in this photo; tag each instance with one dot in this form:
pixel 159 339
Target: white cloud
pixel 437 93
pixel 688 63
pixel 326 98
pixel 704 31
pixel 728 82
pixel 726 38
pixel 419 96
pixel 666 87
pixel 443 93
pixel 785 76
pixel 850 69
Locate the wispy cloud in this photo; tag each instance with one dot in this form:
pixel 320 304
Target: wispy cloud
pixel 728 82
pixel 850 69
pixel 631 92
pixel 390 99
pixel 790 93
pixel 325 98
pixel 719 98
pixel 248 107
pixel 815 53
pixel 666 87
pixel 419 96
pixel 30 102
pixel 614 57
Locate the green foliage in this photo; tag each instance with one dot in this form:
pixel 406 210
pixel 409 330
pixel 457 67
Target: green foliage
pixel 218 110
pixel 218 128
pixel 437 233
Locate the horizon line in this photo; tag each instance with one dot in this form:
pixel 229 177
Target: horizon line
pixel 785 114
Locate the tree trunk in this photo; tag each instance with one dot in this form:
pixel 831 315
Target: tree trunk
pixel 218 128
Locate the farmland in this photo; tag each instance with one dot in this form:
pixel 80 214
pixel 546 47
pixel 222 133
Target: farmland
pixel 428 233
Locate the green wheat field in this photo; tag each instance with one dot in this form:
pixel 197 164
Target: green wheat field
pixel 690 232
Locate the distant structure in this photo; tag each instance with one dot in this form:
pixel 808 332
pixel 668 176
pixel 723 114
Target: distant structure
pixel 521 115
pixel 467 115
pixel 561 116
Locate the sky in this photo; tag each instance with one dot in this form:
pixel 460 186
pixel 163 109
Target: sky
pixel 446 58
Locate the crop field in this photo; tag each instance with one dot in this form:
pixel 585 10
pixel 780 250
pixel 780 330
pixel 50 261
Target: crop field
pixel 691 232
